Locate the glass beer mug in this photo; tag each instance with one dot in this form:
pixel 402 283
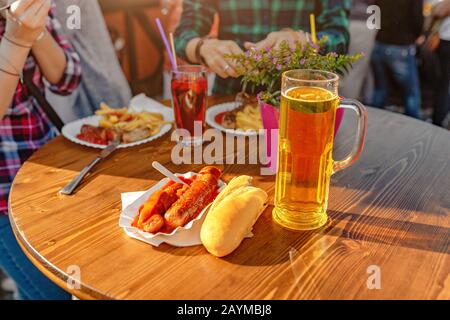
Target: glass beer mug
pixel 308 108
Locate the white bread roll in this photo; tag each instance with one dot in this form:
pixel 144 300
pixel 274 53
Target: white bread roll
pixel 227 224
pixel 233 185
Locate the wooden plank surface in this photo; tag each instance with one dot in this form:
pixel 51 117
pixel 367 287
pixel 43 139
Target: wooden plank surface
pixel 390 210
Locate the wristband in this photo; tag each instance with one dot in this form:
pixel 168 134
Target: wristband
pixel 198 55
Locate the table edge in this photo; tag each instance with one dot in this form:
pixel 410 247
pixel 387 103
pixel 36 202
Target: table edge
pixel 49 270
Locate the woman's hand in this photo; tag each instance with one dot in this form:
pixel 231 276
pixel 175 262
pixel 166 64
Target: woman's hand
pixel 213 52
pixel 274 39
pixel 442 9
pixel 26 20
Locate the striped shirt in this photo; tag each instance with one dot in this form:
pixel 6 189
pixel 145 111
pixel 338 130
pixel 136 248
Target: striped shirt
pixel 25 127
pixel 248 20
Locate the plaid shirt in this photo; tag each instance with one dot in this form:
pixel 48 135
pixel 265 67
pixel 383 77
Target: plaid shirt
pixel 248 20
pixel 25 127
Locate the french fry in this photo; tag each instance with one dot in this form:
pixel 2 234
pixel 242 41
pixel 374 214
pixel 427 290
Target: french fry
pixel 113 119
pixel 105 124
pixel 123 121
pixel 249 119
pixel 105 111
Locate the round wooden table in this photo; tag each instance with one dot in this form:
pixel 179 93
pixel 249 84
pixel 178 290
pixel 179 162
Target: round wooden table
pixel 389 226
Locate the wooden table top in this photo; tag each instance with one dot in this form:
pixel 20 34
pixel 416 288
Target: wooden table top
pixel 390 210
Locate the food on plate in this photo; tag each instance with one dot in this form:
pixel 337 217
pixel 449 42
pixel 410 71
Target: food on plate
pixel 122 124
pixel 157 204
pixel 232 216
pixel 97 135
pixel 244 118
pixel 177 204
pixel 201 193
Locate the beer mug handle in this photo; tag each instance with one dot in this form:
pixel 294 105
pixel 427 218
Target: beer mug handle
pixel 360 110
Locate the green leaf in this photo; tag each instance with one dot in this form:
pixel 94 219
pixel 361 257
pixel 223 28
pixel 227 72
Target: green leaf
pixel 258 69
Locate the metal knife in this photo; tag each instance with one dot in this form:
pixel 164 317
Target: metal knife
pixel 70 188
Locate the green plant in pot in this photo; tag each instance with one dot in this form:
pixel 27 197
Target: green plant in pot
pixel 261 70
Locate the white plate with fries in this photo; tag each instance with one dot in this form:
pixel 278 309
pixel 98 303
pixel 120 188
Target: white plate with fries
pixel 143 114
pixel 247 117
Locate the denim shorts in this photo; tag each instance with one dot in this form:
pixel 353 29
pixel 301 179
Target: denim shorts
pixel 31 283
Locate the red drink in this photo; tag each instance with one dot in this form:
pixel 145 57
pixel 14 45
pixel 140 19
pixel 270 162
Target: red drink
pixel 189 91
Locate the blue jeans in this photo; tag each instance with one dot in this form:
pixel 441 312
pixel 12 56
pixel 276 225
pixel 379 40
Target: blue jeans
pixel 400 62
pixel 31 283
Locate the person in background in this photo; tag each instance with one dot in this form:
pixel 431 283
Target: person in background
pixel 174 8
pixel 362 39
pixel 31 43
pixel 247 24
pixel 395 53
pixel 442 98
pixel 103 79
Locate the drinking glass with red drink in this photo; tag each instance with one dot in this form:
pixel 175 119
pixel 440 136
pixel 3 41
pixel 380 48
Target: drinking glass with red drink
pixel 189 91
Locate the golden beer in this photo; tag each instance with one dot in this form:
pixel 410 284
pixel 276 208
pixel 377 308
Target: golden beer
pixel 305 163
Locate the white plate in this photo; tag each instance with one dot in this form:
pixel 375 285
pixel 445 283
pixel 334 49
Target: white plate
pixel 186 236
pixel 140 103
pixel 212 112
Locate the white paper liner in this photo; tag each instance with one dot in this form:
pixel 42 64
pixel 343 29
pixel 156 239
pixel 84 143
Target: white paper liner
pixel 186 236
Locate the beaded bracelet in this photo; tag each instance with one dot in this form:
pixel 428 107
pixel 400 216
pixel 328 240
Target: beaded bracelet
pixel 198 56
pixel 18 73
pixel 10 73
